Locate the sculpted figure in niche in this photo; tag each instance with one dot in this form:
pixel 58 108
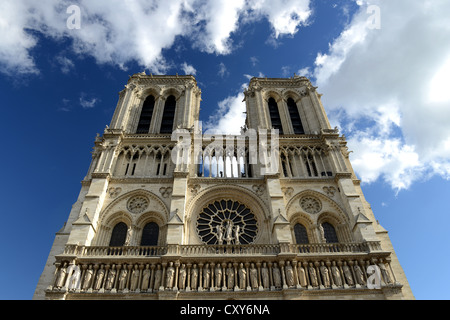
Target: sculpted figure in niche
pixel 229 235
pixel 313 275
pixel 88 278
pixel 336 274
pixel 230 277
pixel 218 274
pixel 219 230
pixel 128 238
pixel 145 278
pixel 61 276
pixel 265 276
pixel 253 276
pixel 289 274
pixel 134 278
pixel 347 274
pixel 242 276
pixel 123 278
pixel 158 277
pixel 236 234
pixel 74 274
pixel 276 276
pixel 325 275
pixel 302 276
pixel 110 279
pixel 170 274
pixel 206 276
pixel 194 277
pixel 385 273
pixel 99 280
pixel 359 274
pixel 182 277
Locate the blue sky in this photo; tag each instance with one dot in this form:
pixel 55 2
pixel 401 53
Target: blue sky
pixel 386 88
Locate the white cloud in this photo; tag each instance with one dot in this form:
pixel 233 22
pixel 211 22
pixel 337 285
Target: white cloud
pixel 119 32
pixel 223 71
pixel 380 79
pixel 188 69
pixel 230 116
pixel 87 103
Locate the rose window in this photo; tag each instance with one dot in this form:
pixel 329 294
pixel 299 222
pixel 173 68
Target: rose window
pixel 138 204
pixel 227 222
pixel 310 205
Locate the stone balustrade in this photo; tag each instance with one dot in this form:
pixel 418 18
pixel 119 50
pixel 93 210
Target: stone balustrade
pixel 221 250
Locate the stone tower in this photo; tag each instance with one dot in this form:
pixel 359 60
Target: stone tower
pixel 167 211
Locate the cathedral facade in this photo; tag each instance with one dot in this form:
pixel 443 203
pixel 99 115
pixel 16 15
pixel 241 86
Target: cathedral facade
pixel 169 211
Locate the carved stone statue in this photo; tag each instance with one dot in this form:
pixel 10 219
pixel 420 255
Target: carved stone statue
pixel 128 238
pixel 134 278
pixel 182 277
pixel 111 277
pixel 236 234
pixel 359 274
pixel 229 235
pixel 74 274
pixel 230 277
pixel 61 276
pixel 385 273
pixel 218 275
pixel 242 276
pixel 325 275
pixel 302 276
pixel 170 276
pixel 206 276
pixel 158 277
pixel 336 274
pixel 194 277
pixel 99 280
pixel 289 274
pixel 253 276
pixel 219 230
pixel 313 276
pixel 348 274
pixel 145 278
pixel 276 276
pixel 88 278
pixel 265 276
pixel 123 278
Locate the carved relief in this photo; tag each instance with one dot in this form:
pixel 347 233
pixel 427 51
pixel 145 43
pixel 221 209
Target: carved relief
pixel 165 192
pixel 329 191
pixel 114 192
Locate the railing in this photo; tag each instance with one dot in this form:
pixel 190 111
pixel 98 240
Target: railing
pixel 223 250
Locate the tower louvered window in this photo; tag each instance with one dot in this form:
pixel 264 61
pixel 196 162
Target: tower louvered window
pixel 275 115
pixel 168 115
pixel 146 115
pixel 295 117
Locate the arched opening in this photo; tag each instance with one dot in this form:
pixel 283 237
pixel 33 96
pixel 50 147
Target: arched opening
pixel 119 235
pixel 150 234
pixel 329 233
pixel 168 115
pixel 301 235
pixel 146 115
pixel 295 117
pixel 275 115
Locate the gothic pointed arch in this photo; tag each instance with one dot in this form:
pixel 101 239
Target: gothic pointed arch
pixel 313 204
